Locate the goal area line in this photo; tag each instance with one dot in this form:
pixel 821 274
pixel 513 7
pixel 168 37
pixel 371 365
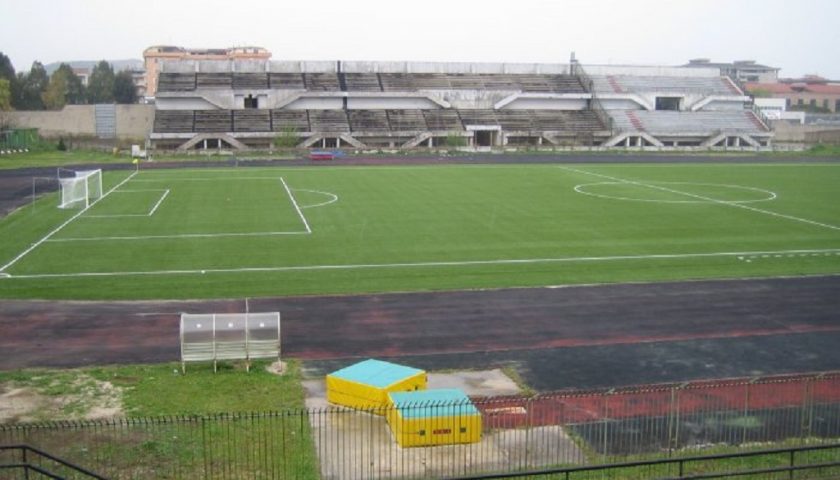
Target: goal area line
pixel 466 263
pixel 195 235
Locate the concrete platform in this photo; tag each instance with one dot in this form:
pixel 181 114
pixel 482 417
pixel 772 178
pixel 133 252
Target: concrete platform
pixel 337 432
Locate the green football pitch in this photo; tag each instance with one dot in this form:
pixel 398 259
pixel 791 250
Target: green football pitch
pixel 220 233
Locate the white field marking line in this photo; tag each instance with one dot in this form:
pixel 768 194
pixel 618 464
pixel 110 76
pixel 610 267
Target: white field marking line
pixel 701 197
pixel 176 236
pixel 133 190
pixel 582 190
pixel 58 229
pixel 126 215
pixel 162 197
pixel 297 207
pixel 332 200
pixel 199 179
pixel 525 261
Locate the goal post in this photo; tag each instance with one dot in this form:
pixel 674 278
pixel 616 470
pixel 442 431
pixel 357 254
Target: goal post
pixel 79 188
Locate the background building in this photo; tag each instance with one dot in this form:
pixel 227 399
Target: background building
pixel 153 57
pixel 741 71
pixel 812 93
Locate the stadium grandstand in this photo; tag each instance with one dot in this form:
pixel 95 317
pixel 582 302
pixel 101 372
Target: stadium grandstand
pixel 242 104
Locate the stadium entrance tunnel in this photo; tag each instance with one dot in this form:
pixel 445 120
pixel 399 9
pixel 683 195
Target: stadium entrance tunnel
pixel 485 138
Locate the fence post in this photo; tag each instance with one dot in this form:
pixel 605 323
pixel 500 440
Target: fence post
pixel 747 408
pixel 792 463
pixel 26 463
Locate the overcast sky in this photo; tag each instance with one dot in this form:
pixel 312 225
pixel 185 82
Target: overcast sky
pixel 799 36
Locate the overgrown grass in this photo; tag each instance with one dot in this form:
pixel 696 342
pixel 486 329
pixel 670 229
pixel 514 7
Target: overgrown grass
pixel 175 427
pixel 161 389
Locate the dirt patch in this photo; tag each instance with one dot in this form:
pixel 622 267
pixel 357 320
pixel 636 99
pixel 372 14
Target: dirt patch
pixel 34 400
pixel 277 368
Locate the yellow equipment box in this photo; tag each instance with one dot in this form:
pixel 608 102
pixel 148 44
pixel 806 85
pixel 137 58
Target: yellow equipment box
pixel 433 417
pixel 365 385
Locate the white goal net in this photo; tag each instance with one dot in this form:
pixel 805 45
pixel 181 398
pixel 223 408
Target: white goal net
pixel 80 189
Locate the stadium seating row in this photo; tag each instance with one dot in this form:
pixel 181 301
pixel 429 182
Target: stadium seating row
pixel 251 120
pixel 669 123
pixel 609 84
pixel 370 82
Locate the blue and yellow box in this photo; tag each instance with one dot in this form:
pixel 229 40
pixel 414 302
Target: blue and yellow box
pixel 365 385
pixel 433 417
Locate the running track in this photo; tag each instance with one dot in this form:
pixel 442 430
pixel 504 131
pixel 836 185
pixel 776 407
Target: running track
pixel 572 337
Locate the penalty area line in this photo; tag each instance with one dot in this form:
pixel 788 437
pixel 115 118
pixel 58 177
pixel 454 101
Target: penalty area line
pixel 60 227
pixel 523 261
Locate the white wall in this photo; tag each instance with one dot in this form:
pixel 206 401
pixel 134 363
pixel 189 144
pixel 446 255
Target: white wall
pixel 642 70
pixel 390 103
pixel 316 103
pixel 546 104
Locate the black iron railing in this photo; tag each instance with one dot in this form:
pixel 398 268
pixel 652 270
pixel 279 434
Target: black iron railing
pixel 27 459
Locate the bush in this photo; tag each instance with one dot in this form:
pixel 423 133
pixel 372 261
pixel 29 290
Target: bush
pixel 61 146
pixel 287 138
pixel 455 140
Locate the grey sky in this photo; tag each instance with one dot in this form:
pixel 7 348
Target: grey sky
pixel 800 37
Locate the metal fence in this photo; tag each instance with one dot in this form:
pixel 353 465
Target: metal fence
pixel 518 434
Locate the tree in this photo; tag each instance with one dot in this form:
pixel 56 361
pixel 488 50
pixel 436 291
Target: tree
pixel 101 83
pixel 124 90
pixel 5 94
pixel 30 88
pixel 7 71
pixel 75 92
pixel 55 96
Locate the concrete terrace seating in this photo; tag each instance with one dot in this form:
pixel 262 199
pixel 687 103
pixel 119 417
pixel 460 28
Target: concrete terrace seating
pixel 251 120
pixel 213 80
pixel 567 120
pixel 370 82
pixel 328 121
pixel 256 81
pixel 174 121
pixel 442 120
pixel 406 120
pixel 290 120
pixel 608 84
pixel 176 82
pixel 287 81
pixel 394 121
pixel 320 82
pixel 213 121
pixel 478 117
pixel 368 120
pixel 396 82
pixel 362 82
pixel 515 120
pixel 701 123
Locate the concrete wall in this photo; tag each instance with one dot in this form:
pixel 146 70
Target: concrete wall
pixel 640 70
pixel 133 121
pixel 808 134
pixel 329 66
pixel 547 104
pixel 316 103
pixel 387 103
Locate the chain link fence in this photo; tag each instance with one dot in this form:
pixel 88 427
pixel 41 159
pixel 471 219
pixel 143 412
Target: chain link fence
pixel 518 434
